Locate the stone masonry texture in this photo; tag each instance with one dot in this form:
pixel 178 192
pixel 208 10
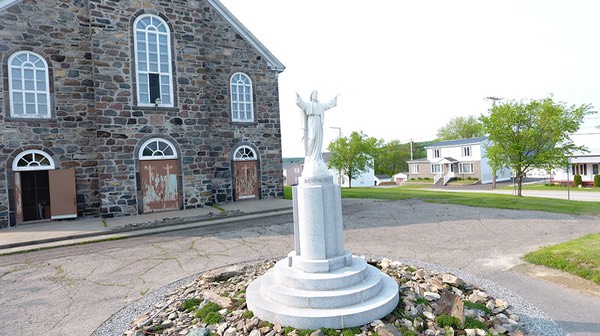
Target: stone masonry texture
pixel 96 126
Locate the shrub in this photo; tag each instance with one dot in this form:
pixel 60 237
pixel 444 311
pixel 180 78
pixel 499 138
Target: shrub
pixel 471 323
pixel 444 320
pixel 209 307
pixel 577 180
pixel 212 318
pixel 596 181
pixel 191 304
pixel 478 306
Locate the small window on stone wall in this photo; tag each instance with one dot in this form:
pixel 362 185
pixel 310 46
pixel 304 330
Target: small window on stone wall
pixel 155 149
pixel 244 153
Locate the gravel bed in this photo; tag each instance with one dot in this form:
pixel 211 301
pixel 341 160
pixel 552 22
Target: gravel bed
pixel 534 321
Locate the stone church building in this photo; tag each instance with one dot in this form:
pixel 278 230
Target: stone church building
pixel 114 108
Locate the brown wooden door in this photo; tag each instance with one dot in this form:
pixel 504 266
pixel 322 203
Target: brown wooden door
pixel 159 185
pixel 246 179
pixel 18 199
pixel 63 194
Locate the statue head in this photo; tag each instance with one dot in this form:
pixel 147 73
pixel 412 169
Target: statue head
pixel 313 95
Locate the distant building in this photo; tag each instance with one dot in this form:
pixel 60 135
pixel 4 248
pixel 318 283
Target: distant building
pixel 292 170
pixel 448 160
pixel 586 165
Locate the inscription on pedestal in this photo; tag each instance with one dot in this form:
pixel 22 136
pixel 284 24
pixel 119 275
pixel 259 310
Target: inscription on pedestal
pixel 318 180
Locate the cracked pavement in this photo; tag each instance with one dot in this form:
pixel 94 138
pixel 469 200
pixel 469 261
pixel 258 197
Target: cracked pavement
pixel 72 290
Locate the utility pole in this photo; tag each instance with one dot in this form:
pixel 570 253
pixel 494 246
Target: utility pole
pixel 339 170
pixel 494 100
pixel 411 149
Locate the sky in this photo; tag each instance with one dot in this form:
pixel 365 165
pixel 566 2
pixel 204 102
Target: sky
pixel 404 68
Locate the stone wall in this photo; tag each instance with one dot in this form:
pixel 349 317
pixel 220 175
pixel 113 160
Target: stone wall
pixel 97 126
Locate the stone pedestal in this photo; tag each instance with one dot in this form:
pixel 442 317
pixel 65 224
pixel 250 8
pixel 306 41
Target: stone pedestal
pixel 320 284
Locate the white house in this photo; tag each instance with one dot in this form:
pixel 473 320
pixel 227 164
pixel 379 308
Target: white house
pixel 451 159
pixel 586 165
pixel 292 170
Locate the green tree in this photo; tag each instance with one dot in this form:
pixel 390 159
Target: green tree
pixel 461 128
pixel 352 155
pixel 391 158
pixel 534 134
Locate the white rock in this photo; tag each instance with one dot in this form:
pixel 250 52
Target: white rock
pixel 431 296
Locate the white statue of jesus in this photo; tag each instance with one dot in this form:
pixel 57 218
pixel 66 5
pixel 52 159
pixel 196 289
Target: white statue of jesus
pixel 312 119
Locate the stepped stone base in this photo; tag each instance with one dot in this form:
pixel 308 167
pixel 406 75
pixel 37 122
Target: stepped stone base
pixel 347 297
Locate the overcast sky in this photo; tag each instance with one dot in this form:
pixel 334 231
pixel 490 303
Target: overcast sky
pixel 405 68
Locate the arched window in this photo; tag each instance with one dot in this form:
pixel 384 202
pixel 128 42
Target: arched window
pixel 152 41
pixel 33 160
pixel 244 153
pixel 157 149
pixel 28 85
pixel 241 98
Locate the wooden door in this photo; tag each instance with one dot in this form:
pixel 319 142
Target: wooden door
pixel 18 199
pixel 246 179
pixel 159 185
pixel 63 194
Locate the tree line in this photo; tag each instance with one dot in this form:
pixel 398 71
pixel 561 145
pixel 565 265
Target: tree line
pixel 522 135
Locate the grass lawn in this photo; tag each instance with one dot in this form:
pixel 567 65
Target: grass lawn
pixel 486 200
pixel 541 186
pixel 580 257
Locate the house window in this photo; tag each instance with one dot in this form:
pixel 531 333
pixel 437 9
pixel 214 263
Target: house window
pixel 241 98
pixel 414 168
pixel 595 169
pixel 152 42
pixel 297 170
pixel 466 151
pixel 436 153
pixel 582 170
pixel 465 168
pixel 28 85
pixel 436 168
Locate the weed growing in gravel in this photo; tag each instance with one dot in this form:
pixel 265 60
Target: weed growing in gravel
pixel 209 313
pixel 445 320
pixel 191 304
pixel 478 306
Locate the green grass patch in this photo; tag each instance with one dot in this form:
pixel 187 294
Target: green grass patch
pixel 579 256
pixel 472 323
pixel 478 306
pixel 554 187
pixel 486 200
pixel 191 304
pixel 444 320
pixel 209 313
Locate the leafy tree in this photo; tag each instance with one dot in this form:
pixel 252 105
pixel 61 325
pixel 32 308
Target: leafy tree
pixel 352 155
pixel 461 128
pixel 534 134
pixel 391 158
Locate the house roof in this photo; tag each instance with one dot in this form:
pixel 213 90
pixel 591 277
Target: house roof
pixel 447 160
pixel 272 61
pixel 458 142
pixel 383 176
pixel 418 160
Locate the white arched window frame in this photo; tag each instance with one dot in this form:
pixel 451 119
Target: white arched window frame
pixel 28 85
pixel 242 106
pixel 152 44
pixel 33 160
pixel 157 149
pixel 245 153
